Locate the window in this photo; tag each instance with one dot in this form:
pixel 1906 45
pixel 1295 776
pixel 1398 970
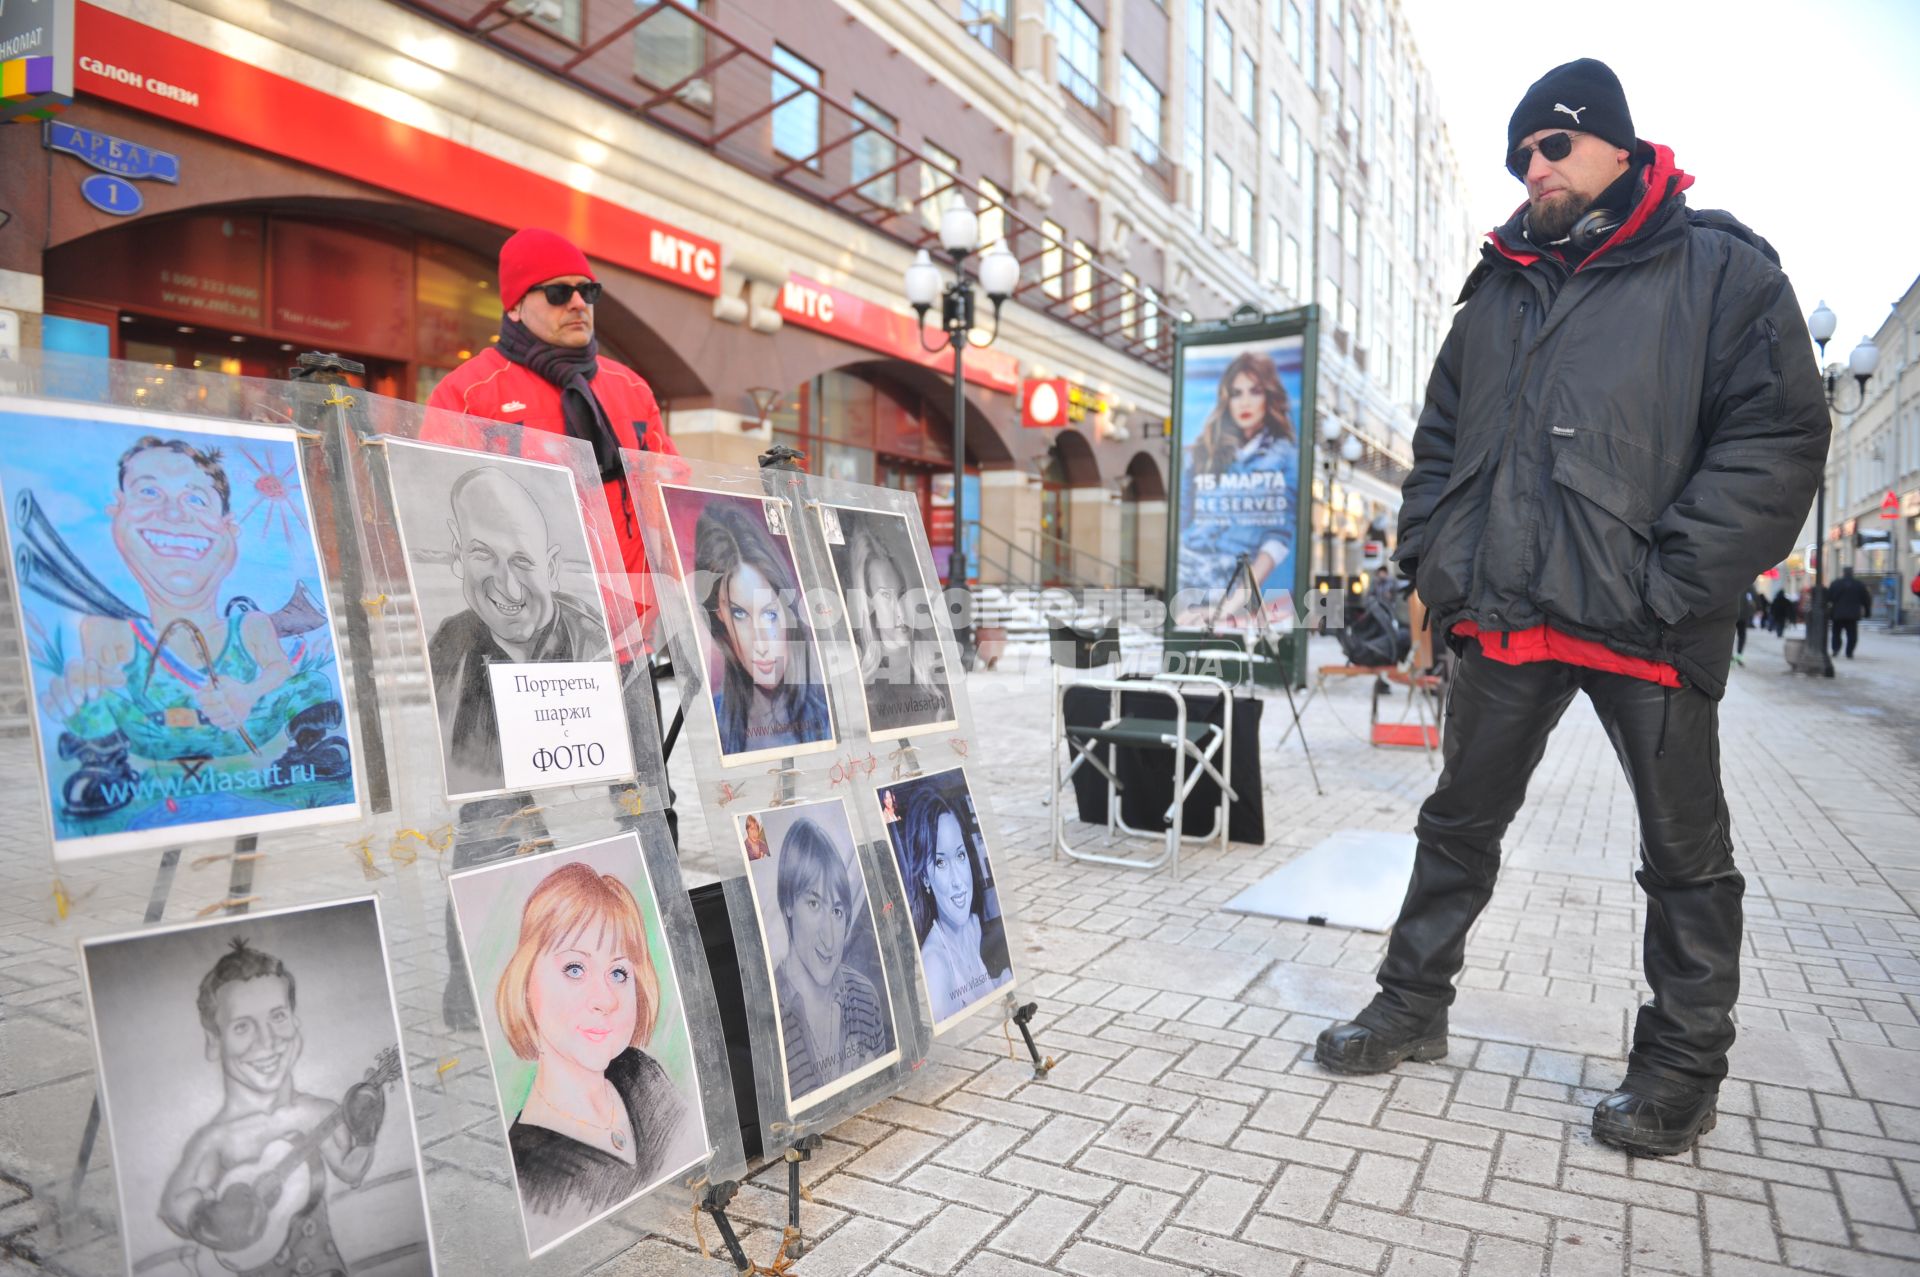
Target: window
pixel 1193 133
pixel 1353 34
pixel 1275 122
pixel 668 48
pixel 562 17
pixel 1150 323
pixel 1329 299
pixel 1220 197
pixel 1270 252
pixel 1129 304
pixel 1331 91
pixel 1290 267
pixel 993 214
pixel 1077 37
pixel 1245 91
pixel 1290 34
pixel 874 154
pixel 1349 317
pixel 1330 202
pixel 1144 105
pixel 1052 260
pixel 796 123
pixel 1350 227
pixel 1222 53
pixel 1290 148
pixel 1082 276
pixel 1243 220
pixel 937 172
pixel 987 20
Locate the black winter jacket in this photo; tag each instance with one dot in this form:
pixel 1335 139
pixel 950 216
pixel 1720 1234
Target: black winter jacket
pixel 1848 599
pixel 1617 449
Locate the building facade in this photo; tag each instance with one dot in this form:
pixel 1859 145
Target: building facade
pixel 1876 454
pixel 751 178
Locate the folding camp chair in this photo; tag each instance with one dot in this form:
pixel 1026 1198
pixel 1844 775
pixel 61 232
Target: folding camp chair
pixel 1196 750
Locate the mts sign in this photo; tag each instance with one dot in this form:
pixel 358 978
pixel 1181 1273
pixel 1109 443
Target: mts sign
pixel 684 259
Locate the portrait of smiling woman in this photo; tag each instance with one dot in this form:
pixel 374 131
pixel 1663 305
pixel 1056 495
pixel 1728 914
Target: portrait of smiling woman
pixel 579 998
pixel 949 888
pixel 823 953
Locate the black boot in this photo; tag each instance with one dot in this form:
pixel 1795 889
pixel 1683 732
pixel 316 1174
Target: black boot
pixel 1369 1044
pixel 1653 1116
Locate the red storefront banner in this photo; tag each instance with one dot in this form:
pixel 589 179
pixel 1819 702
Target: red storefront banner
pixel 149 70
pixel 825 309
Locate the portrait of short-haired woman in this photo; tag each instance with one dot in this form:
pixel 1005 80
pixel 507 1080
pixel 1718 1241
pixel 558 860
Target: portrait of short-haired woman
pixel 822 949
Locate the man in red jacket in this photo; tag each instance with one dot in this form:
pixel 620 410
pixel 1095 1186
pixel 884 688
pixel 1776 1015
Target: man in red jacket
pixel 547 373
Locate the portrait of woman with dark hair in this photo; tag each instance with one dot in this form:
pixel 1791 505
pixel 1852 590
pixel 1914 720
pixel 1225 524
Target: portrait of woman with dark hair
pixel 769 694
pixel 949 890
pixel 889 610
pixel 1240 477
pixel 823 951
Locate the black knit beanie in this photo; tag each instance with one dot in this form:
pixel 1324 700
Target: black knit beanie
pixel 1584 96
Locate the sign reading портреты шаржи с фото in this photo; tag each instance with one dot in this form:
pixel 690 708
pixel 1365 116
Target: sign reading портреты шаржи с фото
pixel 560 722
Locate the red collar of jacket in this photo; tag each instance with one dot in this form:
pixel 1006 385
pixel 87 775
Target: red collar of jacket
pixel 1662 180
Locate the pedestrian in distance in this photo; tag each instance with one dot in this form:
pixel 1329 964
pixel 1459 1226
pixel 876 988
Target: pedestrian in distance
pixel 1847 602
pixel 1781 612
pixel 1585 516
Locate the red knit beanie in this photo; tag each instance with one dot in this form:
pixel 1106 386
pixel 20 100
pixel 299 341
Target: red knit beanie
pixel 533 256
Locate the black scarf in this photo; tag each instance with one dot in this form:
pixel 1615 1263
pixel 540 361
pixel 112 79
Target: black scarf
pixel 572 369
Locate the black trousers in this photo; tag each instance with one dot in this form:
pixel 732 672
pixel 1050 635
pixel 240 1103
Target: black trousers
pixel 1498 718
pixel 1850 631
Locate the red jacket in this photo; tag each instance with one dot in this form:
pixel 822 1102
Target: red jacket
pixel 492 386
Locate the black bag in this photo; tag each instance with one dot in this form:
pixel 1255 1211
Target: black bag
pixel 1374 637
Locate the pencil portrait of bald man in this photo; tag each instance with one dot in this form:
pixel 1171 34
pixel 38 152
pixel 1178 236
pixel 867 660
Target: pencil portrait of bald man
pixel 506 556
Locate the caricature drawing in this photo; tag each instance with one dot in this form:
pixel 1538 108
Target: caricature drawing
pixel 493 546
pixel 194 704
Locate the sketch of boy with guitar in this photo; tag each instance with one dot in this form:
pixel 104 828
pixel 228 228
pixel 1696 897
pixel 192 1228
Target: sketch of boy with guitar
pixel 250 1189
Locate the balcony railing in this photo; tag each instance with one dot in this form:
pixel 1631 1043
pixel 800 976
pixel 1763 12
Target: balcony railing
pixel 1089 106
pixel 730 114
pixel 988 30
pixel 1154 160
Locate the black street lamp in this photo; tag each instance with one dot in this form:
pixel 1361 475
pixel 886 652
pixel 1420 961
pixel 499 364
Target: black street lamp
pixel 999 276
pixel 1861 363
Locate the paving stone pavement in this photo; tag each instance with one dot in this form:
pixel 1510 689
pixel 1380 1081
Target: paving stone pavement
pixel 1185 1128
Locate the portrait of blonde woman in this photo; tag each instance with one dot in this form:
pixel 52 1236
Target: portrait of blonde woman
pixel 579 999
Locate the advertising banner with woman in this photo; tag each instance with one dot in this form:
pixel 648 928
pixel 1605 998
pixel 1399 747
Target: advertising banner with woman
pixel 1243 440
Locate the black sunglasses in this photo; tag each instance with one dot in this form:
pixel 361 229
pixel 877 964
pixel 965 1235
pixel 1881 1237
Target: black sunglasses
pixel 1555 146
pixel 561 294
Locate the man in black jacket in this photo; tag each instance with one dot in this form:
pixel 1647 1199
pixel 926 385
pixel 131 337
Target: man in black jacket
pixel 1847 601
pixel 1623 428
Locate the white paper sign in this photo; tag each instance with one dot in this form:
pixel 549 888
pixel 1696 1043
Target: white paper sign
pixel 561 722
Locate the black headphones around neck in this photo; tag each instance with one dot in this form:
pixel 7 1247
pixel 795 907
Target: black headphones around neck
pixel 1588 233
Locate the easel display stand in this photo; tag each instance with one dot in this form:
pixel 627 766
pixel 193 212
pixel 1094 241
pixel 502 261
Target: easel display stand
pixel 841 764
pixel 449 1112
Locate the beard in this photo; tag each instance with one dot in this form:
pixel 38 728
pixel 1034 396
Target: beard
pixel 1551 221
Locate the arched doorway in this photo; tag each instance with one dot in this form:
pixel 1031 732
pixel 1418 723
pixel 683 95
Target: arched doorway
pixel 242 289
pixel 1143 499
pixel 891 424
pixel 1069 465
